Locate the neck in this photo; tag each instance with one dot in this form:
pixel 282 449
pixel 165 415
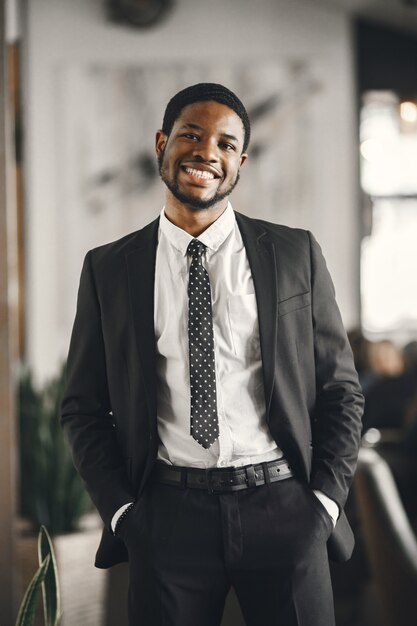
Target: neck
pixel 193 221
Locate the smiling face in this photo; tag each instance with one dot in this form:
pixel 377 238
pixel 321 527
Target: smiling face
pixel 199 161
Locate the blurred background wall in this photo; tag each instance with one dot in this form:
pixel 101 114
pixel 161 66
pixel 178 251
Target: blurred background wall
pixel 95 93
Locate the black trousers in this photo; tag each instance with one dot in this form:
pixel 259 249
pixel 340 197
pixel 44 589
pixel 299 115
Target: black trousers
pixel 188 547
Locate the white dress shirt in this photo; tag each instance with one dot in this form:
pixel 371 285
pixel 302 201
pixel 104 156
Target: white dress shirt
pixel 244 437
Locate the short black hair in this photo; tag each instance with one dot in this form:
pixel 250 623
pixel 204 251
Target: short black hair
pixel 202 92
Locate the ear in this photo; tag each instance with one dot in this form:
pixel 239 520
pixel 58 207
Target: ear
pixel 243 158
pixel 161 139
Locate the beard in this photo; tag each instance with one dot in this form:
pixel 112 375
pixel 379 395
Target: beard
pixel 193 203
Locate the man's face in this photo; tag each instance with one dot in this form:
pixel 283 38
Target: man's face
pixel 200 160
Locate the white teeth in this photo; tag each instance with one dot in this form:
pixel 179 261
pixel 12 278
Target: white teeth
pixel 199 173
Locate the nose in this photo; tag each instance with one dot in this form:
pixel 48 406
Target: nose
pixel 206 150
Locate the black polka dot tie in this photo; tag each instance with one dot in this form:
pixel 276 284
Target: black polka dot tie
pixel 204 425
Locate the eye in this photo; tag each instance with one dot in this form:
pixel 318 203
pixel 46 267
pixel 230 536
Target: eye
pixel 190 136
pixel 227 146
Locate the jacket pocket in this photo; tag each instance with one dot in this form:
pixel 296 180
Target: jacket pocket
pixel 300 301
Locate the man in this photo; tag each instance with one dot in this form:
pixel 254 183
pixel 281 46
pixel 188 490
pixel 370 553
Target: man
pixel 212 405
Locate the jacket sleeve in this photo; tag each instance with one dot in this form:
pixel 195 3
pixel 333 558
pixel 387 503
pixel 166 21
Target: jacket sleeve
pixel 336 424
pixel 86 415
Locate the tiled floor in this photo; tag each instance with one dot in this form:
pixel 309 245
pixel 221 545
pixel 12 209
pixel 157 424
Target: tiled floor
pixel 82 585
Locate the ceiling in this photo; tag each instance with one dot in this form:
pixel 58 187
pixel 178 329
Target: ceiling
pixel 397 13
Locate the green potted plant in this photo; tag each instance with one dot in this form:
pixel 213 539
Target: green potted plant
pixel 51 492
pixel 46 578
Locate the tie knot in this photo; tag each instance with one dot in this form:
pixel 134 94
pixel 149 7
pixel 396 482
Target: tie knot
pixel 196 248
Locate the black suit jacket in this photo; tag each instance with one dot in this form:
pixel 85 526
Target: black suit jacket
pixel 313 399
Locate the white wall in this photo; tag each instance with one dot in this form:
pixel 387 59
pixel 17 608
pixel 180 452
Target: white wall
pixel 60 33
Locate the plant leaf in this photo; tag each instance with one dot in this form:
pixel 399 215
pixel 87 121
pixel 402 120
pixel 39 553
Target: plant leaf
pixel 28 607
pixel 50 585
pixel 51 492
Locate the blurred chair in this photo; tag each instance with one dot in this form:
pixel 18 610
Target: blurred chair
pixel 390 542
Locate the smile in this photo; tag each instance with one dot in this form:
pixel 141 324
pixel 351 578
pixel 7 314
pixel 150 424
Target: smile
pixel 199 173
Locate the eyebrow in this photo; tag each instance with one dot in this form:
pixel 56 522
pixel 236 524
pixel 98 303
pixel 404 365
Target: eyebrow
pixel 197 127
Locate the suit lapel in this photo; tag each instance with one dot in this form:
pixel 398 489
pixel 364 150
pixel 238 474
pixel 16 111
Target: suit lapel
pixel 141 278
pixel 262 260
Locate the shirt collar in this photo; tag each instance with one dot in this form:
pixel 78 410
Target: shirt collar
pixel 212 237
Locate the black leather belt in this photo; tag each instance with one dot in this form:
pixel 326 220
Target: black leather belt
pixel 221 480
